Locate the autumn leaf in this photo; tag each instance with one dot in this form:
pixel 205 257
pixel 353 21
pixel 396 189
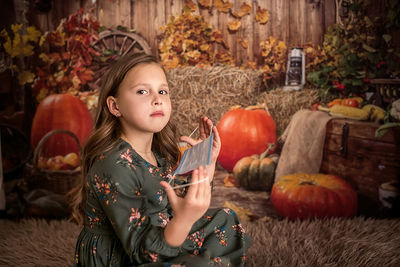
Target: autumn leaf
pixel 229 181
pixel 243 42
pixel 222 5
pixel 245 9
pixel 252 65
pixel 243 213
pixel 234 25
pixel 25 77
pixel 204 3
pixel 190 5
pixel 262 15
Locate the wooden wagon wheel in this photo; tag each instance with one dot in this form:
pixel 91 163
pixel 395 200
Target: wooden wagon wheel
pixel 111 45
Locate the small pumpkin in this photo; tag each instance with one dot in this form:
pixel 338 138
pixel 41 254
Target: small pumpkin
pixel 302 196
pixel 256 172
pixel 244 132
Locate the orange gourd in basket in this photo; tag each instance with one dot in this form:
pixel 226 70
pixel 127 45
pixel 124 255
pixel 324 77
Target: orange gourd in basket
pixel 65 112
pixel 245 132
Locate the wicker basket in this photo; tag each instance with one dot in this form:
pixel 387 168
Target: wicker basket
pixel 57 181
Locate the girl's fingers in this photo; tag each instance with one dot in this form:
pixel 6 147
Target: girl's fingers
pixel 193 188
pixel 207 186
pixel 172 197
pixel 189 140
pixel 201 190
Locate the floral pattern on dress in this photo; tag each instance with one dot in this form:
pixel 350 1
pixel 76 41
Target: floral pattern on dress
pixel 94 246
pixel 163 219
pixel 169 264
pixel 197 239
pixel 159 196
pixel 216 261
pixel 239 229
pixel 221 234
pixel 135 219
pixel 127 159
pixel 152 256
pixel 94 218
pixel 106 191
pixel 229 211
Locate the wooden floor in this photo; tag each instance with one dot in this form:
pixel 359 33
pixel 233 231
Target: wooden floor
pixel 258 202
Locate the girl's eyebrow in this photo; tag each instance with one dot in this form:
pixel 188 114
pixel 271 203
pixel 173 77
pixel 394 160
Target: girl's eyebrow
pixel 148 85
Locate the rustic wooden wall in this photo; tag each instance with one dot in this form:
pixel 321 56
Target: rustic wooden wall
pixel 294 21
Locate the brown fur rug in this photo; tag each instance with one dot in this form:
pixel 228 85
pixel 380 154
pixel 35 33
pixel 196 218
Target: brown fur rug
pixel 331 242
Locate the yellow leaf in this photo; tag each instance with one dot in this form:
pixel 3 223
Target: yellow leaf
pixel 16 27
pixel 243 42
pixel 252 65
pixel 189 4
pixel 262 15
pixel 242 213
pixel 222 5
pixel 229 181
pixel 33 34
pixel 245 9
pixel 27 50
pixel 42 39
pixel 204 3
pixel 42 94
pixel 25 77
pixel 204 47
pixel 234 25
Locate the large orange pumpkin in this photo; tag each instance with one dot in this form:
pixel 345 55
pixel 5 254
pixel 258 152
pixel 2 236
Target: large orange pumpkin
pixel 244 132
pixel 305 196
pixel 61 111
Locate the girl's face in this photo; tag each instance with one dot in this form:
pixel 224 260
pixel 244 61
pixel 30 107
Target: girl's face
pixel 143 100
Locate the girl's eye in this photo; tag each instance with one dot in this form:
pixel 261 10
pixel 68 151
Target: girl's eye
pixel 163 92
pixel 141 91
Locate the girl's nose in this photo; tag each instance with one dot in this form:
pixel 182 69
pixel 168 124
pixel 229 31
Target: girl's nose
pixel 157 99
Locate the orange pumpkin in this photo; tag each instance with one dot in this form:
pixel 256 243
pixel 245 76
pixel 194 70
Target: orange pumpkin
pixel 305 196
pixel 61 111
pixel 244 132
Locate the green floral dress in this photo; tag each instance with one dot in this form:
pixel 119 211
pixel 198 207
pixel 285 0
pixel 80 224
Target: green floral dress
pixel 127 210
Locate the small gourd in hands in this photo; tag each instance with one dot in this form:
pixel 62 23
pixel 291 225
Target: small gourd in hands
pixel 257 171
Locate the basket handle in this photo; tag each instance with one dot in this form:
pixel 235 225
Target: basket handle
pixel 38 150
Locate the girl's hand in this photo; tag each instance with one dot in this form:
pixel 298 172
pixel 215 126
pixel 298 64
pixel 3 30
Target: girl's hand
pixel 197 200
pixel 205 126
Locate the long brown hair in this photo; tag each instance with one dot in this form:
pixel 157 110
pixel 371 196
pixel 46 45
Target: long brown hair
pixel 108 129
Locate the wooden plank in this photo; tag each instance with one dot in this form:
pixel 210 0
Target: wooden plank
pixel 140 20
pixel 380 153
pixel 157 14
pixel 246 33
pixel 106 13
pixel 363 129
pixel 314 29
pixel 281 21
pixel 354 166
pixel 123 13
pixel 329 14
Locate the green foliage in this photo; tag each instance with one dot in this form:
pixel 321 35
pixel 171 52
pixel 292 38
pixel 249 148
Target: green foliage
pixel 357 51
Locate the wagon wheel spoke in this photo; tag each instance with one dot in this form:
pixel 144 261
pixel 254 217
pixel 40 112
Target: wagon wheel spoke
pixel 117 43
pixel 123 45
pixel 129 48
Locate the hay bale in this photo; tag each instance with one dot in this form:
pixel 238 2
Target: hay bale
pixel 283 104
pixel 210 92
pixel 213 91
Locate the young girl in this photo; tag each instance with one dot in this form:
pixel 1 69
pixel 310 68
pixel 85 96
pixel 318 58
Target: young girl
pixel 131 215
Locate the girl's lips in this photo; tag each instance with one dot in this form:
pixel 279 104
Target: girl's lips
pixel 157 113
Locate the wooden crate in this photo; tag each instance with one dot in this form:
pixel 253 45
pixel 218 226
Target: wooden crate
pixel 352 152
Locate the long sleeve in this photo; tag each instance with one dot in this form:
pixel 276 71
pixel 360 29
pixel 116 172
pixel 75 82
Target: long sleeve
pixel 119 190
